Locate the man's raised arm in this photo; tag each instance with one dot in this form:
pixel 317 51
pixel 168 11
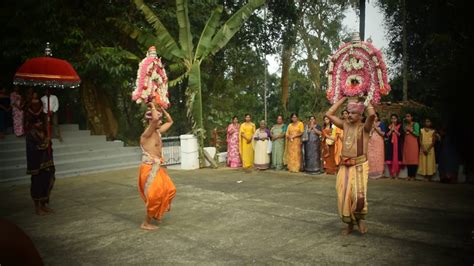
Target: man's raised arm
pixel 331 113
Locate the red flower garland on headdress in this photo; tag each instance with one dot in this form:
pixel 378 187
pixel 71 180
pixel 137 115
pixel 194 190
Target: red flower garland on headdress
pixel 357 69
pixel 152 82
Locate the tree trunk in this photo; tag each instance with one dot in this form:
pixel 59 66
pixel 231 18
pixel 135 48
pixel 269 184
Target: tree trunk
pixel 285 73
pixel 200 124
pixel 362 19
pixel 194 87
pixel 313 65
pixel 404 51
pixel 126 108
pixel 100 117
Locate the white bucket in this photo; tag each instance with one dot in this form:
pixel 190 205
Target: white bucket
pixel 189 152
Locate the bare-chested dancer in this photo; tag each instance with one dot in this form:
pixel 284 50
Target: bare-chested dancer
pixel 155 186
pixel 351 184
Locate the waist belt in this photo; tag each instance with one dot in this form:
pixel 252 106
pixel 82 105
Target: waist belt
pixel 351 161
pixel 147 159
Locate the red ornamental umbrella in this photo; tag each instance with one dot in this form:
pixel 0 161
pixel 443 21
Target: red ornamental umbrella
pixel 47 71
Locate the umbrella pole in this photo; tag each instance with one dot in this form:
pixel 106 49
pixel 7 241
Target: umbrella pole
pixel 49 127
pixel 49 134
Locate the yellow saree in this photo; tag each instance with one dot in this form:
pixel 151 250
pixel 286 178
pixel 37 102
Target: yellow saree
pixel 246 149
pixel 293 147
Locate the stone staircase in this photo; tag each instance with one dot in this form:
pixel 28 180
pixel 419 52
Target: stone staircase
pixel 79 153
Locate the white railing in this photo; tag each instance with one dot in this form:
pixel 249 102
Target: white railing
pixel 171 150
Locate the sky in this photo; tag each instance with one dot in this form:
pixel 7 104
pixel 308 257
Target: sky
pixel 373 28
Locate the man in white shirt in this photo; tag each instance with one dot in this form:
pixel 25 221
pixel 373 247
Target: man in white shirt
pixel 50 108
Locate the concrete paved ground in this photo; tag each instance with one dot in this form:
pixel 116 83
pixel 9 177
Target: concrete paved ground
pixel 268 218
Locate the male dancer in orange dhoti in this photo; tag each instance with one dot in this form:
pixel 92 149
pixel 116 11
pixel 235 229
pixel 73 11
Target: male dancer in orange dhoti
pixel 351 184
pixel 154 184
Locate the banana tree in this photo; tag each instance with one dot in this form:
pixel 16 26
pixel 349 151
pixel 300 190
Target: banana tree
pixel 184 55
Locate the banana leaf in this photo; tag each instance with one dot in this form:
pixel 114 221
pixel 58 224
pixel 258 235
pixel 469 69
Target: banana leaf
pixel 177 67
pixel 232 25
pixel 185 36
pixel 144 38
pixel 177 80
pixel 204 43
pixel 166 42
pixel 119 52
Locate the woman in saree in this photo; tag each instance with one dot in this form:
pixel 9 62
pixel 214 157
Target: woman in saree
pixel 328 148
pixel 376 148
pixel 278 146
pixel 393 146
pixel 293 144
pixel 246 132
pixel 34 108
pixel 312 147
pixel 40 164
pixel 261 146
pixel 17 103
pixel 410 146
pixel 233 154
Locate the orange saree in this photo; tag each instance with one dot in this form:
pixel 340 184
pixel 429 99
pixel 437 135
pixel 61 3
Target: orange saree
pixel 293 147
pixel 155 187
pixel 328 153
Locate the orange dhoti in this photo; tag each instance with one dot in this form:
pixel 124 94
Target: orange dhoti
pixel 351 187
pixel 156 189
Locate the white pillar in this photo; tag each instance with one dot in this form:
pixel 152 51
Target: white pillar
pixel 189 152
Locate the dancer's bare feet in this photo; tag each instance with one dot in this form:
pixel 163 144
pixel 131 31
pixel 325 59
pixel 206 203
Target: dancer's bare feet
pixel 40 212
pixel 362 227
pixel 348 230
pixel 148 226
pixel 47 209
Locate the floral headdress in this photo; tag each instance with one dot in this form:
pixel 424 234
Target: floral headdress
pixel 357 69
pixel 152 82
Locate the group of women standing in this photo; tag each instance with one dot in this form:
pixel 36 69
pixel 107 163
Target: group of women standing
pixel 296 146
pixel 21 109
pixel 315 149
pixel 409 146
pixel 248 146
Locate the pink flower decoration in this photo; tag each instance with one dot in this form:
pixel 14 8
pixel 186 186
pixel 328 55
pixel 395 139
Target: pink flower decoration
pixel 356 73
pixel 152 82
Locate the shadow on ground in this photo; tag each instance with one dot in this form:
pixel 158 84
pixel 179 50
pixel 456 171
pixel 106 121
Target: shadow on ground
pixel 268 218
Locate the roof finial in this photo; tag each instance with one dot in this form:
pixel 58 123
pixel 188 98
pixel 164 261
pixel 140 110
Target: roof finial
pixel 355 37
pixel 48 51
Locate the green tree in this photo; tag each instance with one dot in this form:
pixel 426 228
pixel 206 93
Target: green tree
pixel 440 58
pixel 320 29
pixel 76 30
pixel 285 17
pixel 213 38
